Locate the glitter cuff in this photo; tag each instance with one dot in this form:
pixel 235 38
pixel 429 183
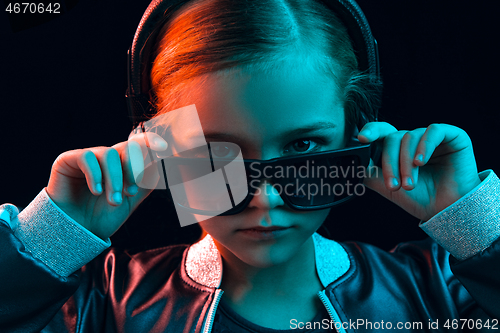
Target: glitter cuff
pixel 54 238
pixel 471 224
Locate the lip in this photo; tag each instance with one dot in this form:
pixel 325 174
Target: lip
pixel 265 233
pixel 259 228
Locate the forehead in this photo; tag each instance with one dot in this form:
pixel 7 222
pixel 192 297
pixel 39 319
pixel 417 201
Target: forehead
pixel 259 106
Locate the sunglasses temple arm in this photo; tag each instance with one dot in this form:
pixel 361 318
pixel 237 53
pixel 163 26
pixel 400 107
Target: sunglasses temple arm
pixel 376 152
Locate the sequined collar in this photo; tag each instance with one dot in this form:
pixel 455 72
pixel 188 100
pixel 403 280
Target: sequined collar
pixel 204 264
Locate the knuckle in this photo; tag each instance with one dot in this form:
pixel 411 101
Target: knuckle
pixel 417 131
pixel 412 137
pixel 111 154
pixel 389 138
pixel 395 136
pixel 59 159
pixel 457 128
pixel 434 127
pixel 408 136
pixel 64 157
pixel 87 155
pixel 465 137
pixel 461 131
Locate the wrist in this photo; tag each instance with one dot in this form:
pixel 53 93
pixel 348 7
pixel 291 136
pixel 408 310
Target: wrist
pixel 456 192
pixel 65 207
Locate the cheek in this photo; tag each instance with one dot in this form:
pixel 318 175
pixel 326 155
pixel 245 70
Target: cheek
pixel 219 227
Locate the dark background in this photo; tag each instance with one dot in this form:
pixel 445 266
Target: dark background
pixel 63 82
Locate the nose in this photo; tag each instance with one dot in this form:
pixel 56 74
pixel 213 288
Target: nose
pixel 266 196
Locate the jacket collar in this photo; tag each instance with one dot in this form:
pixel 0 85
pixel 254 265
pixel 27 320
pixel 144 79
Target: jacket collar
pixel 203 262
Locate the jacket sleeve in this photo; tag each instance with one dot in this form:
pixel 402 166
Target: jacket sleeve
pixel 41 253
pixel 469 230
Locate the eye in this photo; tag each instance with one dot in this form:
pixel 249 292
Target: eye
pixel 302 146
pixel 224 149
pixel 220 150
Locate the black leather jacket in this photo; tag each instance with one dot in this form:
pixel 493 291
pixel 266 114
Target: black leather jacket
pixel 417 287
pixel 174 289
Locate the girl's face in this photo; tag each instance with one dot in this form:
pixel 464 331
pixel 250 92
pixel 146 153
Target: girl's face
pixel 293 111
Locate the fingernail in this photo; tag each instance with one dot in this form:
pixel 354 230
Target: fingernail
pixel 98 187
pixel 117 197
pixel 366 133
pixel 160 143
pixel 133 189
pixel 419 158
pixel 394 182
pixel 409 181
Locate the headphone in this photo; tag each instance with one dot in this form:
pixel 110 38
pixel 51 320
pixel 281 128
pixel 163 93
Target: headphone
pixel 158 12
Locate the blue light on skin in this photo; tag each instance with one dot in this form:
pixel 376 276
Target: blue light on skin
pixel 269 116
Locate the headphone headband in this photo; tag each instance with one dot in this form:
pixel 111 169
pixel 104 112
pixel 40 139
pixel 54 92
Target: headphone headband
pixel 158 11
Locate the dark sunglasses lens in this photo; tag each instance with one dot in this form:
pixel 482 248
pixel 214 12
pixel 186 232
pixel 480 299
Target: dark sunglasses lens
pixel 322 181
pixel 213 185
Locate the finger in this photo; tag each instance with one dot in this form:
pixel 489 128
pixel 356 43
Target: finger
pixel 390 160
pixel 132 165
pixel 147 176
pixel 436 134
pixel 408 169
pixel 110 163
pixel 149 143
pixel 150 140
pixel 88 164
pixel 375 130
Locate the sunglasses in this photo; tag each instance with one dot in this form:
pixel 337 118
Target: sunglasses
pixel 205 181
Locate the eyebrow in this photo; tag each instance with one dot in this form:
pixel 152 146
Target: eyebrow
pixel 322 125
pixel 318 126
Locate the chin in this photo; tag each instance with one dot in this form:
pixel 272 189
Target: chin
pixel 263 252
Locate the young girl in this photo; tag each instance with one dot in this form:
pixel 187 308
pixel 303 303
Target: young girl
pixel 279 79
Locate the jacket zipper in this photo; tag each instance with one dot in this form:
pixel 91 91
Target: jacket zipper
pixel 211 311
pixel 322 296
pixel 331 311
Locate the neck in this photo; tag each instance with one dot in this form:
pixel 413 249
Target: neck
pixel 242 281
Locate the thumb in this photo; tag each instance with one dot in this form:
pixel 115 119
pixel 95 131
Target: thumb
pixel 147 144
pixel 150 140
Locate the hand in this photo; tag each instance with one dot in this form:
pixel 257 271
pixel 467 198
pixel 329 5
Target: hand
pixel 96 186
pixel 424 170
